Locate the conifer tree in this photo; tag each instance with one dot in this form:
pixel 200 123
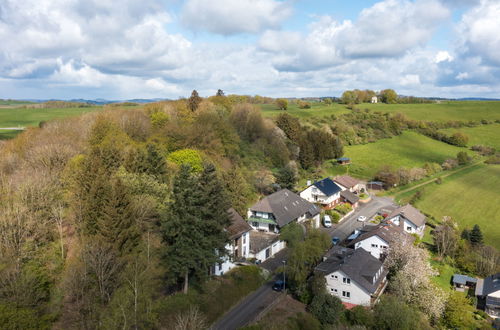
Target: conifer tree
pixel 117 226
pixel 181 227
pixel 155 162
pixel 476 236
pixel 194 101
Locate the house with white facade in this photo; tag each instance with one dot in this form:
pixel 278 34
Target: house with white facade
pixel 349 183
pixel 239 246
pixel 354 276
pixel 324 192
pixel 488 295
pixel 281 208
pixel 378 239
pixel 409 219
pixel 264 245
pixel 374 99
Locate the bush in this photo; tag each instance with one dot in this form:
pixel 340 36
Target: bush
pixel 360 315
pixel 343 208
pixel 334 215
pixel 493 160
pixel 326 308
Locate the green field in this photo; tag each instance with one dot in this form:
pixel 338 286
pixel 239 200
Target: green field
pixel 444 111
pixel 470 196
pixel 488 135
pixel 317 110
pixel 22 117
pixel 410 149
pixel 8 134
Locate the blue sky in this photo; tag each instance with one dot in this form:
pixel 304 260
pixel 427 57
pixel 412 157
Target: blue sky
pixel 166 48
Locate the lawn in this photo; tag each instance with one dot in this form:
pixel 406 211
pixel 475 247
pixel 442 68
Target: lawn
pixel 488 135
pixel 444 111
pixel 8 134
pixel 409 149
pixel 317 110
pixel 470 197
pixel 22 117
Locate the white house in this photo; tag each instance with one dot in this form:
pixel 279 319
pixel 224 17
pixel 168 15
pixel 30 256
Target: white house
pixel 279 209
pixel 374 99
pixel 239 247
pixel 349 183
pixel 354 276
pixel 488 294
pixel 324 192
pixel 409 219
pixel 378 239
pixel 264 245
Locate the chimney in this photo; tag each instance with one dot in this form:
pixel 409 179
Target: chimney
pixel 308 183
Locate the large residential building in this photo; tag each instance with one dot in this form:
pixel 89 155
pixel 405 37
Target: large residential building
pixel 355 276
pixel 409 219
pixel 281 208
pixel 239 247
pixel 378 239
pixel 324 192
pixel 488 295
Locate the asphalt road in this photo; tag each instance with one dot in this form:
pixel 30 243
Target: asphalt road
pixel 254 304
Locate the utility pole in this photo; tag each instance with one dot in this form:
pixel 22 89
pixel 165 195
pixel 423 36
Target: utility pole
pixel 284 277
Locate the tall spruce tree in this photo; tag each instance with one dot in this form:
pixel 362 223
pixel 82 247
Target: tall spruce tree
pixel 476 236
pixel 155 162
pixel 194 101
pixel 117 226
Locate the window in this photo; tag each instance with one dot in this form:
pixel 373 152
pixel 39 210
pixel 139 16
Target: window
pixel 374 246
pixel 255 224
pixel 220 266
pixel 335 277
pixel 346 280
pixel 346 294
pixel 408 228
pixel 244 238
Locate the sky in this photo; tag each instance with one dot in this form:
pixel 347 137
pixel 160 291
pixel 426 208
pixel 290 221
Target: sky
pixel 127 49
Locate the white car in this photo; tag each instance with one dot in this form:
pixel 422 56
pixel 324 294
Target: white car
pixel 327 221
pixel 362 218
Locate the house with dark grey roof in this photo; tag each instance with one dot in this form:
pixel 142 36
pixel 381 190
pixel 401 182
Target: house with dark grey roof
pixel 324 192
pixel 349 197
pixel 409 219
pixel 354 276
pixel 488 295
pixel 239 246
pixel 378 239
pixel 275 211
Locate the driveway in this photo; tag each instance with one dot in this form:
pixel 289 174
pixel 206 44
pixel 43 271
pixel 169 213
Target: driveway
pixel 348 225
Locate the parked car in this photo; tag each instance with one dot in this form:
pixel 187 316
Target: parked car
pixel 279 285
pixel 327 221
pixel 335 240
pixel 361 218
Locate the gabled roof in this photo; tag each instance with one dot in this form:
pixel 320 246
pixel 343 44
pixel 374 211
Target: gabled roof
pixel 261 240
pixel 385 231
pixel 490 284
pixel 285 206
pixel 238 225
pixel 410 213
pixel 349 196
pixel 346 181
pixel 463 279
pixel 327 186
pixel 359 265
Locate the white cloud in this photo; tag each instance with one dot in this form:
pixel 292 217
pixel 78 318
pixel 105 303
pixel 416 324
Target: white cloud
pixel 229 17
pixel 443 56
pixel 387 29
pixel 480 31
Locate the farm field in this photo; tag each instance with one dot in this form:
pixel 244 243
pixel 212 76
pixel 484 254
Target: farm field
pixel 488 135
pixel 410 149
pixel 8 134
pixel 444 111
pixel 470 196
pixel 22 117
pixel 317 110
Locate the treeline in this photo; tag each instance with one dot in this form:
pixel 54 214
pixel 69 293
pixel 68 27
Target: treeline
pixel 58 105
pixel 389 96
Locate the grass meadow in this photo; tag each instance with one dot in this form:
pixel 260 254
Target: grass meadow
pixel 23 117
pixel 444 111
pixel 409 149
pixel 488 135
pixel 470 196
pixel 316 111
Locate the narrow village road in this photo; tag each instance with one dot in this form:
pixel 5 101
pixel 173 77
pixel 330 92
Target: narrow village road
pixel 250 307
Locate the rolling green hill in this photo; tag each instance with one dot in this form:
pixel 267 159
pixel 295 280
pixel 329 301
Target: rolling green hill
pixel 22 117
pixel 410 149
pixel 488 135
pixel 317 110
